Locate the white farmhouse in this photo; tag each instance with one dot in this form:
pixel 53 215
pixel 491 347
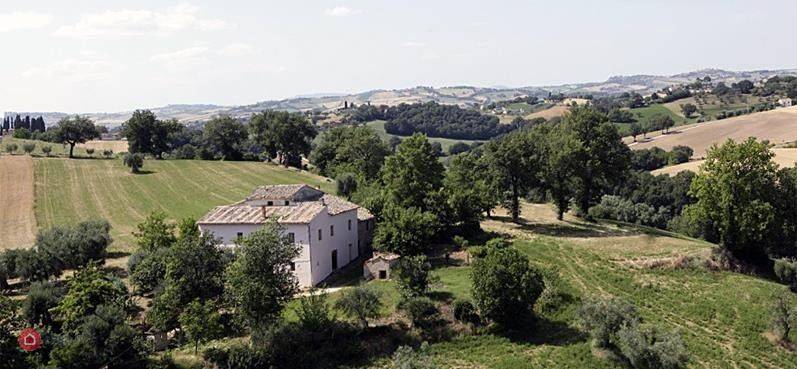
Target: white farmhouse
pixel 785 102
pixel 330 231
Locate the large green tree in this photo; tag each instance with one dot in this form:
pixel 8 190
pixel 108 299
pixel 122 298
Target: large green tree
pixel 737 191
pixel 467 190
pixel 412 174
pixel 225 136
pixel 599 158
pixel 75 130
pixel 284 135
pixel 350 149
pixel 513 162
pixel 146 134
pixel 559 151
pixel 259 282
pixel 194 269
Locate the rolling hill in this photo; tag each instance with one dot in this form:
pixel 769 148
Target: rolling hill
pixel 778 126
pixel 458 95
pixel 783 157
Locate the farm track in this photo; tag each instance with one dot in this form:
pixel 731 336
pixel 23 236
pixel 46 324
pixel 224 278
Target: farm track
pixel 17 219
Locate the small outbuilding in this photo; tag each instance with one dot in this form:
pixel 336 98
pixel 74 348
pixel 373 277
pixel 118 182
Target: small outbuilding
pixel 379 266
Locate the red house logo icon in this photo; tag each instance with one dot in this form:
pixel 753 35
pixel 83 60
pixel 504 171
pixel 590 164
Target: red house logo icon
pixel 29 339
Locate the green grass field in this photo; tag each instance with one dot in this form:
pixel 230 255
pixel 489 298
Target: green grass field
pixel 67 191
pixel 379 127
pixel 722 316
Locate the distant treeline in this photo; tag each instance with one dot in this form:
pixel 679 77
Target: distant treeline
pixel 434 120
pixel 31 124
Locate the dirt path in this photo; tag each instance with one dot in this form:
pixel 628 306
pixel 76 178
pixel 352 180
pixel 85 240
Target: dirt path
pixel 17 220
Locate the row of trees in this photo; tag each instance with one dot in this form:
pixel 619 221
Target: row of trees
pixel 29 124
pixel 55 250
pixel 277 135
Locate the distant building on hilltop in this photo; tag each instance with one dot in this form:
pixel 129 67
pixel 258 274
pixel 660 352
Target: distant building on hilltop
pixel 330 231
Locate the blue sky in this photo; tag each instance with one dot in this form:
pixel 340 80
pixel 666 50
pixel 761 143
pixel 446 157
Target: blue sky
pixel 89 56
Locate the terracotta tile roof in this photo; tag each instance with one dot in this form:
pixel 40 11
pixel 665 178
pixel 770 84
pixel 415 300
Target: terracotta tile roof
pixel 364 214
pixel 337 205
pixel 277 192
pixel 299 213
pixel 245 214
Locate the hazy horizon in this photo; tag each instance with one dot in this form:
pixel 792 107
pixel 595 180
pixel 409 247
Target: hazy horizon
pixel 101 57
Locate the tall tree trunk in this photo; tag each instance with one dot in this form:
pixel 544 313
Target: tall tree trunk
pixel 71 149
pixel 515 202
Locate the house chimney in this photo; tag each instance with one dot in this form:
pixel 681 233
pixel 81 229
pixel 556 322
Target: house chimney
pixel 263 211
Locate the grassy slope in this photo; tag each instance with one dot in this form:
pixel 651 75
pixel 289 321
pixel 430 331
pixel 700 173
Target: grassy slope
pixel 379 127
pixel 71 190
pixel 720 314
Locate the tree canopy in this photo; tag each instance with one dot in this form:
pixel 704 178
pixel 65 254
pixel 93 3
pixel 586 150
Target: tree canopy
pixel 75 130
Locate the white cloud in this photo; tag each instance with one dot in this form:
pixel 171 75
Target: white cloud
pixel 23 20
pixel 184 58
pixel 124 22
pixel 341 11
pixel 414 44
pixel 75 70
pixel 237 49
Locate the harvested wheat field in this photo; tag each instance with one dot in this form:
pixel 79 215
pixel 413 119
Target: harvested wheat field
pixel 554 111
pixel 783 157
pixel 778 126
pixel 98 145
pixel 17 220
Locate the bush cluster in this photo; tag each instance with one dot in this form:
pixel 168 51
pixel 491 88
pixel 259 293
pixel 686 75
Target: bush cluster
pixel 615 324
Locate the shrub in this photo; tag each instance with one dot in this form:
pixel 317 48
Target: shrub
pixel 360 303
pixel 90 151
pixel 47 149
pixel 42 297
pixel 28 147
pixel 187 151
pixel 22 133
pixel 497 243
pixel 149 270
pixel 314 313
pixel 414 276
pixel 646 347
pixel 458 148
pixel 786 271
pixel 465 312
pixel 134 161
pixel 407 358
pixel 107 153
pixel 784 318
pixel 420 310
pixel 505 286
pixel 602 318
pixel 11 148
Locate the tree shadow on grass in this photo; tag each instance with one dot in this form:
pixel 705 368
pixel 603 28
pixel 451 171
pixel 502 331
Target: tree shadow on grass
pixel 441 296
pixel 542 331
pixel 117 254
pixel 566 228
pixel 143 172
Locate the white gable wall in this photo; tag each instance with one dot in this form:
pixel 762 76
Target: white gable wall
pixel 321 251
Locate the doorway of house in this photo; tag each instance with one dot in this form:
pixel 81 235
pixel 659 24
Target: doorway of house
pixel 334 259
